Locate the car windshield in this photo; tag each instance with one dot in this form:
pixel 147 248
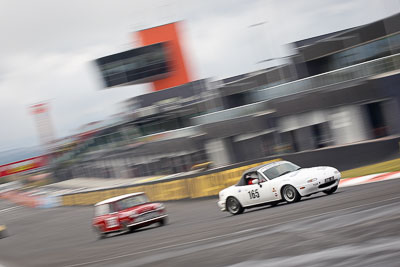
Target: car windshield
pixel 280 170
pixel 130 202
pixel 102 210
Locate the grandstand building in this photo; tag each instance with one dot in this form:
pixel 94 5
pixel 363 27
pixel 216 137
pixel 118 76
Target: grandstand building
pixel 339 88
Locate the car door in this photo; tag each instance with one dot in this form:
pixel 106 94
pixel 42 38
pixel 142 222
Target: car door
pixel 111 219
pixel 257 193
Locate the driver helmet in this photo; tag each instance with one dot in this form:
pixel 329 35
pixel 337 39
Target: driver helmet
pixel 253 175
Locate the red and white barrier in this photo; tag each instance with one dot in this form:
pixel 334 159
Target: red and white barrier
pixel 369 178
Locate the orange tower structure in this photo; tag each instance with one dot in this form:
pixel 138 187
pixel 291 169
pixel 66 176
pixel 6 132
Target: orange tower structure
pixel 168 34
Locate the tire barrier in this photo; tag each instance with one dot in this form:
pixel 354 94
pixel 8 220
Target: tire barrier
pixel 191 187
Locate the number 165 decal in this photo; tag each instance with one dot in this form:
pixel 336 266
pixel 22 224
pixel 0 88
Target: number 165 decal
pixel 254 194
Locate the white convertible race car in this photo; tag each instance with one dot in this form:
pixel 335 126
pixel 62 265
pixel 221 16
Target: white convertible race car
pixel 275 182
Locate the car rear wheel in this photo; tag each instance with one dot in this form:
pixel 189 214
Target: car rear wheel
pixel 331 191
pixel 233 206
pixel 290 194
pixel 99 231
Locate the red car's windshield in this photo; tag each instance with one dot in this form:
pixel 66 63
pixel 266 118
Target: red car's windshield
pixel 130 202
pixel 102 210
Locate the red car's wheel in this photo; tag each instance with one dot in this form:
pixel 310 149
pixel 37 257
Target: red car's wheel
pixel 99 231
pixel 163 221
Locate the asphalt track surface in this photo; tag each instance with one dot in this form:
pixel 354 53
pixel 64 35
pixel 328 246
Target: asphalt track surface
pixel 357 226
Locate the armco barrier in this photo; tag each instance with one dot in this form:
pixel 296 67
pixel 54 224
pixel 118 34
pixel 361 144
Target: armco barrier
pixel 188 187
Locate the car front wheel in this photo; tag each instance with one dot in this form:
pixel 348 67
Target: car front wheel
pixel 233 206
pixel 290 194
pixel 125 229
pixel 163 221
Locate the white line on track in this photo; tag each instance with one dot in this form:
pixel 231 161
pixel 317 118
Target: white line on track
pixel 9 209
pixel 225 235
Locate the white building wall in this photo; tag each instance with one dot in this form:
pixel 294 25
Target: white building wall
pixel 218 152
pixel 348 124
pixel 294 122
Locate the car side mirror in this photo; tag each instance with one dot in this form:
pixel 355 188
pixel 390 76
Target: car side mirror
pixel 257 181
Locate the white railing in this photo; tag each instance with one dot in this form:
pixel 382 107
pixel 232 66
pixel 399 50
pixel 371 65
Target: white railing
pixel 354 72
pixel 265 93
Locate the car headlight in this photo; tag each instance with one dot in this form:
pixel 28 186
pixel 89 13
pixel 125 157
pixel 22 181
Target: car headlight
pixel 312 180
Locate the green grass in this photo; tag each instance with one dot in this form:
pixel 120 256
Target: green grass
pixel 386 166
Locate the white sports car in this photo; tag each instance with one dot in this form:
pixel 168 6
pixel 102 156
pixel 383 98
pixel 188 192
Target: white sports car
pixel 275 182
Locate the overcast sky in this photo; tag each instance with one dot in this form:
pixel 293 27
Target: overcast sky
pixel 46 48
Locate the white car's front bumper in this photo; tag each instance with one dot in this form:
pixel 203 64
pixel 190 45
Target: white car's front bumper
pixel 318 186
pixel 221 205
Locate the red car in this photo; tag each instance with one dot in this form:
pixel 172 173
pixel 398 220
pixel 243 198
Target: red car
pixel 127 212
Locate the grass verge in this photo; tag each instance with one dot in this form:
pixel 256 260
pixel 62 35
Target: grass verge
pixel 386 166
